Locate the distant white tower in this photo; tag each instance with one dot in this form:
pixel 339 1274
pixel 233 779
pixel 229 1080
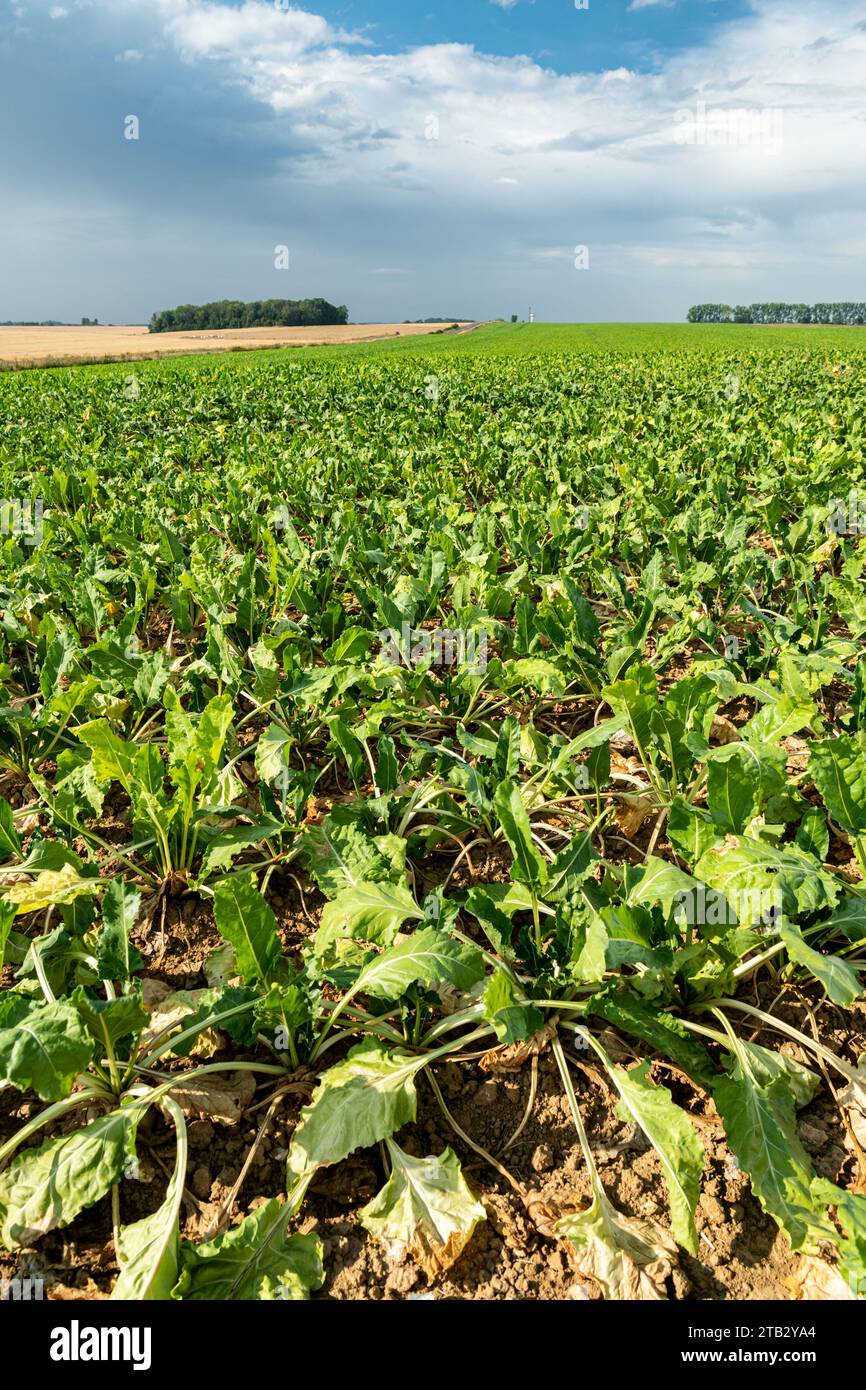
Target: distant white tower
pixel 531 316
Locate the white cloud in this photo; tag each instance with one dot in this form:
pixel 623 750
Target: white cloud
pixel 129 55
pixel 256 32
pixel 599 157
pixel 610 138
pixel 58 12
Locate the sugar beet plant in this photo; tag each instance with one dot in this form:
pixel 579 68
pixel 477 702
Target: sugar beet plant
pixel 643 811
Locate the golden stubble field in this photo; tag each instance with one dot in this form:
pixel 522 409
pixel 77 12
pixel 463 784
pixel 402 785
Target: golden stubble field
pixel 35 347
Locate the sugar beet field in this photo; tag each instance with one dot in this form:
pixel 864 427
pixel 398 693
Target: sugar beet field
pixel 433 820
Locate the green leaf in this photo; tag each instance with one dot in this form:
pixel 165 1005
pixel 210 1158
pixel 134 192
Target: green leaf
pixel 10 844
pixel 513 1021
pixel 246 921
pixel 224 847
pixel 529 867
pixel 116 958
pixel 195 745
pixel 426 957
pixel 350 748
pixel 629 645
pixel 113 759
pixel 571 867
pixel 7 921
pixel 342 856
pixel 47 1187
pixel 694 701
pixel 840 980
pixel 761 1128
pixel 659 1030
pixel 148 1251
pixel 689 830
pixel 495 922
pixel 587 944
pixel 285 1008
pixel 427 1207
pixel 110 1019
pixel 838 768
pixel 851 1215
pixel 813 835
pixel 535 673
pixel 593 737
pixel 755 876
pixel 45 1050
pixel 674 1139
pixel 369 911
pixel 137 767
pixel 366 1097
pixel 766 1065
pixel 386 765
pixel 657 881
pixel 734 788
pixel 779 719
pixel 849 918
pixel 13 1007
pixel 272 753
pixel 255 1260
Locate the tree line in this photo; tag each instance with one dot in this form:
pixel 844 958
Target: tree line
pixel 845 312
pixel 261 313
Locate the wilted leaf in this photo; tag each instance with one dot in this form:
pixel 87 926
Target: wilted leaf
pixel 220 1096
pixel 631 812
pixel 425 1207
pixel 51 887
pixel 817 1280
pixel 628 1258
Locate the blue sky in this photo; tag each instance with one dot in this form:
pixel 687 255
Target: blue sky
pixel 603 35
pixel 444 157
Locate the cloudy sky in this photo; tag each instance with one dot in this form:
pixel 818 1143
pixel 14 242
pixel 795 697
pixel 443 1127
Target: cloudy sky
pixel 616 159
